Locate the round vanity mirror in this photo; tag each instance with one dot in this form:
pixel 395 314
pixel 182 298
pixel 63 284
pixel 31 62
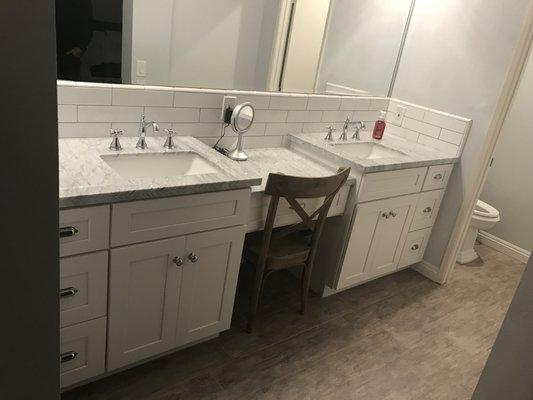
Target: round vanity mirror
pixel 242 117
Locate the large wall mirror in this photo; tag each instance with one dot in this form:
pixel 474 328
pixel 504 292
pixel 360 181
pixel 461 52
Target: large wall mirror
pixel 305 46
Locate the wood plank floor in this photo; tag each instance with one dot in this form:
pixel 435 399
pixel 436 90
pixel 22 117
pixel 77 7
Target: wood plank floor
pixel 400 337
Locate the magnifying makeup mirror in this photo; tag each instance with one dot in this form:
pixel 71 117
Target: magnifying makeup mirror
pixel 241 121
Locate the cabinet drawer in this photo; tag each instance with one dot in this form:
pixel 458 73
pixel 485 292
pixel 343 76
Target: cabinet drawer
pixel 82 351
pixel 259 203
pixel 380 185
pixel 83 288
pixel 414 248
pixel 427 209
pixel 438 176
pixel 162 218
pixel 83 229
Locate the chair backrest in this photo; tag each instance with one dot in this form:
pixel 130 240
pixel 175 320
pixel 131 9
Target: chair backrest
pixel 291 188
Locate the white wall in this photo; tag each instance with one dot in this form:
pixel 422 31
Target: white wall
pixel 362 44
pixel 509 185
pixel 202 43
pixel 455 59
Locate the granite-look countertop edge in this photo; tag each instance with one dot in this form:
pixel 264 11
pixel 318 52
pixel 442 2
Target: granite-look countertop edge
pixel 415 155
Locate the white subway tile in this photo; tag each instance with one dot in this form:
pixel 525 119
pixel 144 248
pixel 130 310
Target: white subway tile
pixel 445 121
pixel 415 112
pixel 379 104
pixel 312 127
pixel 421 127
pixel 283 128
pixel 288 102
pixel 257 129
pixel 366 115
pixel 67 113
pixel 451 137
pixel 304 116
pixel 132 128
pixel 447 148
pixel 355 103
pixel 159 114
pixel 324 103
pixel 270 116
pixel 84 95
pixel 142 97
pixel 249 142
pixel 336 116
pixel 83 130
pixel 210 115
pixel 109 114
pixel 198 100
pixel 198 129
pixel 259 101
pixel 406 134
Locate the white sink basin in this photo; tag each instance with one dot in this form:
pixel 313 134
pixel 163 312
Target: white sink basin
pixel 368 150
pixel 159 165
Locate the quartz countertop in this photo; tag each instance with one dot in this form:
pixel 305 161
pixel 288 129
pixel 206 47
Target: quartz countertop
pixel 412 154
pixel 86 179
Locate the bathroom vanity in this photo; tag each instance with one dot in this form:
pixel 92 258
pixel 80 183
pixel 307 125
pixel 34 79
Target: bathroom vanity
pixel 151 240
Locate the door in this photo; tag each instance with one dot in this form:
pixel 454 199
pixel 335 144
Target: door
pixel 378 230
pixel 144 285
pixel 210 272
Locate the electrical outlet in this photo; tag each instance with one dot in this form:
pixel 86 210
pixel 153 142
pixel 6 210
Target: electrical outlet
pixel 398 115
pixel 227 102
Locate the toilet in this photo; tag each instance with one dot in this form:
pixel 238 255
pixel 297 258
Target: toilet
pixel 484 217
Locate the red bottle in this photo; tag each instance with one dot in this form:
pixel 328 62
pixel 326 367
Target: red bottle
pixel 380 126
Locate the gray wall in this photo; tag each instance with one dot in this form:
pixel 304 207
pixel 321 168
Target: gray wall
pixel 509 185
pixel 456 59
pixel 28 224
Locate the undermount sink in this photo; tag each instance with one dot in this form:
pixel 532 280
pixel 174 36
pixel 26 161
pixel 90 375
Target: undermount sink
pixel 159 165
pixel 368 150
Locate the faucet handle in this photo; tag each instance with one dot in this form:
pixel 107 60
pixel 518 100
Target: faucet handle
pixel 330 130
pixel 115 142
pixel 169 143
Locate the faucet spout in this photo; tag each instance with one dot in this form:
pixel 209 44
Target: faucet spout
pixel 143 124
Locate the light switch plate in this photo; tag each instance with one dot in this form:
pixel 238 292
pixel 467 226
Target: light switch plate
pixel 398 114
pixel 141 68
pixel 228 101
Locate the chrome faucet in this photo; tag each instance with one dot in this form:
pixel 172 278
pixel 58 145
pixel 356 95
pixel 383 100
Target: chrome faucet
pixel 359 125
pixel 143 124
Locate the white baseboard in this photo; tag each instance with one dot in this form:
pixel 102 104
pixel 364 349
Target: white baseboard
pixel 504 247
pixel 430 271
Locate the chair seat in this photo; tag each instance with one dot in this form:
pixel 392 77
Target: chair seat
pixel 285 252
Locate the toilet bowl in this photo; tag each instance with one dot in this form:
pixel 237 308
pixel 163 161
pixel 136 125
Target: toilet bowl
pixel 484 217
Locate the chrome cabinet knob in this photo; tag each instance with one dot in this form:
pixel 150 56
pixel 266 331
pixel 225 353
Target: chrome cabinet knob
pixel 193 257
pixel 438 177
pixel 427 210
pixel 415 247
pixel 178 261
pixel 115 142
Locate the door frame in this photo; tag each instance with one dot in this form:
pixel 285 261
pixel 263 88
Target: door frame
pixel 512 81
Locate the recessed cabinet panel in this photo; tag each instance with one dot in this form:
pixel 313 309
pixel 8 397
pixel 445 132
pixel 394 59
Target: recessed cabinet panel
pixel 437 177
pixel 143 300
pixel 427 209
pixel 82 230
pixel 208 284
pixel 146 220
pixel 82 351
pixel 414 248
pixel 381 185
pixel 83 288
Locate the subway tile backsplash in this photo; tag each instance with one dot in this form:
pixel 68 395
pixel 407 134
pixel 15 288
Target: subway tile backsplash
pixel 91 110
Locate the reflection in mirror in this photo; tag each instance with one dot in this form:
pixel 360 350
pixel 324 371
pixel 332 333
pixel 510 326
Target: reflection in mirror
pixel 325 46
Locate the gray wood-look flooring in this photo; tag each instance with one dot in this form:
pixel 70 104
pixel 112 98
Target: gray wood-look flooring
pixel 399 337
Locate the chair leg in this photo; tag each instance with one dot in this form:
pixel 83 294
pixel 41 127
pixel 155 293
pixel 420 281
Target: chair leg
pixel 254 299
pixel 306 282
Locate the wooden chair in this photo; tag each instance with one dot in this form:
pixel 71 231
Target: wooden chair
pixel 292 246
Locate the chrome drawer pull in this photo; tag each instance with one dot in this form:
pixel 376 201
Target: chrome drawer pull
pixel 427 210
pixel 193 257
pixel 68 292
pixel 178 261
pixel 438 177
pixel 392 214
pixel 385 215
pixel 415 247
pixel 68 356
pixel 67 231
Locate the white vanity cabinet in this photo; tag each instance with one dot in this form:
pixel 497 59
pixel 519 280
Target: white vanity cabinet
pixel 172 292
pixel 390 228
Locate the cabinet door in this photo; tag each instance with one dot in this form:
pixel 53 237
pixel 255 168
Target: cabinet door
pixel 375 239
pixel 143 300
pixel 210 272
pixel 391 231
